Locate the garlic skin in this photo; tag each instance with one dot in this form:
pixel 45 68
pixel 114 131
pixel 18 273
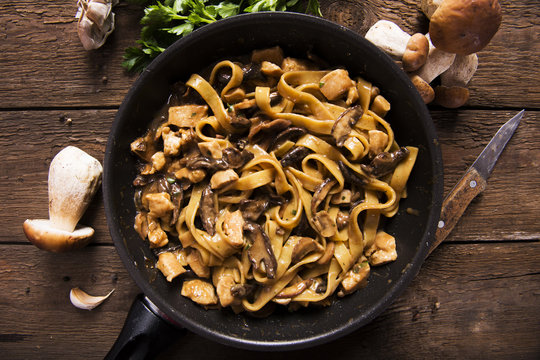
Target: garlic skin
pixel 82 300
pixel 96 22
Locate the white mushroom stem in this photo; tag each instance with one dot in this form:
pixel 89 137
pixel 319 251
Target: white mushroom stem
pixel 74 177
pixel 461 71
pixel 388 37
pixel 437 62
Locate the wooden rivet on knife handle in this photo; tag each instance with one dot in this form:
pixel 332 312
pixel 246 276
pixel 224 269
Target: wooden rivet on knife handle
pixel 456 202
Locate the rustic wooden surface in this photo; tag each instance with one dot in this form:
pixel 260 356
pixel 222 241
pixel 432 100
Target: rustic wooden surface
pixel 477 296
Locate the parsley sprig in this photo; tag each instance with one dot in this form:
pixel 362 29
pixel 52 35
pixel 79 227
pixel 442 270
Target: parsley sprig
pixel 166 21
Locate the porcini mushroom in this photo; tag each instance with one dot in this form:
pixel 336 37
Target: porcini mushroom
pixel 464 26
pixel 429 6
pixel 424 89
pixel 451 97
pixel 461 71
pixel 74 177
pixel 437 62
pixel 416 52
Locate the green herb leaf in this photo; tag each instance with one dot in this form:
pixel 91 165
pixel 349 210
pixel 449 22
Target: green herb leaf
pixel 166 21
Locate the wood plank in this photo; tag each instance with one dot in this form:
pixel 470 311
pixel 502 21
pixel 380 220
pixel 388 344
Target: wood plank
pixel 31 139
pixel 469 300
pixel 40 46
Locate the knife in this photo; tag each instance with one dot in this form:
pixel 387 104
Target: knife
pixel 474 181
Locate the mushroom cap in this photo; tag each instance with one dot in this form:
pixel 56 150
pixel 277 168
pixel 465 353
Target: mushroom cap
pixel 426 91
pixel 464 26
pixel 40 233
pixel 451 97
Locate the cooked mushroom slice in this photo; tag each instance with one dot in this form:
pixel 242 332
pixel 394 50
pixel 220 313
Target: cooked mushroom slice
pixel 177 196
pixel 303 246
pixel 321 192
pixel 292 133
pixel 199 291
pixel 242 290
pixel 324 224
pixel 295 155
pixel 236 158
pixel 343 125
pixel 294 290
pixel 263 133
pixel 207 211
pixel 342 220
pixel 342 198
pixel 328 253
pixel 350 176
pixel 240 122
pixel 261 249
pixel 208 164
pixel 385 162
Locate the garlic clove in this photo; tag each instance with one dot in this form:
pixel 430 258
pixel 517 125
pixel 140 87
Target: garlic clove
pixel 82 300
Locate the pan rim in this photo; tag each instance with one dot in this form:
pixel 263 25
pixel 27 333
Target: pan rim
pixel 319 338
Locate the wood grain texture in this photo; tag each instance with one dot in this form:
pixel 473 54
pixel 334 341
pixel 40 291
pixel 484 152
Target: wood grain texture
pixel 44 65
pixel 464 301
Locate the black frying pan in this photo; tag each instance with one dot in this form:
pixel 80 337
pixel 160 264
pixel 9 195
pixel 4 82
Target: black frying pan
pixel 296 34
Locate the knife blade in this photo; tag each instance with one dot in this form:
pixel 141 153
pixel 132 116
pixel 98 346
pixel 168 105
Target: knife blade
pixel 474 181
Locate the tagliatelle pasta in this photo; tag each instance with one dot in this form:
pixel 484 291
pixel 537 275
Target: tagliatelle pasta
pixel 268 183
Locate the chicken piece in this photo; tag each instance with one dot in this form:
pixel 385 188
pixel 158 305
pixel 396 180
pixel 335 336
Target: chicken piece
pixel 233 226
pixel 293 64
pixel 335 83
pixel 169 265
pixel 271 69
pixel 171 142
pixel 377 142
pixel 199 291
pixel 160 204
pixel 223 178
pixel 158 161
pixel 355 278
pixel 157 237
pixel 383 249
pixel 141 225
pixel 223 289
pixel 187 116
pixel 273 54
pixel 194 176
pixel 210 149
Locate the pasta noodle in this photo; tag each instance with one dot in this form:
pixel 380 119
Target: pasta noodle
pixel 268 183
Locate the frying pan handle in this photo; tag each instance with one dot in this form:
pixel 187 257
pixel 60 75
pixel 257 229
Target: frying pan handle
pixel 145 333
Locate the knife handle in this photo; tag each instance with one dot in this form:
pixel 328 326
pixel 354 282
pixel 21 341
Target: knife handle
pixel 454 205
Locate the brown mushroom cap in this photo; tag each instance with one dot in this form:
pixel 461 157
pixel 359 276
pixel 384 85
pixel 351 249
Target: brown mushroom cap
pixel 451 97
pixel 416 52
pixel 425 90
pixel 40 233
pixel 464 26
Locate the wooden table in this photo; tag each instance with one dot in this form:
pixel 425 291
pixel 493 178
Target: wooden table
pixel 477 296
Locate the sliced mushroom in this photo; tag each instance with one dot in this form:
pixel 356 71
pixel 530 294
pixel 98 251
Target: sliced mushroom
pixel 351 176
pixel 235 158
pixel 292 133
pixel 342 220
pixel 343 125
pixel 321 192
pixel 341 198
pixel 303 246
pixel 328 253
pixel 263 133
pixel 207 164
pixel 324 224
pixel 261 251
pixel 386 162
pixel 207 211
pixel 295 155
pixel 294 290
pixel 242 290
